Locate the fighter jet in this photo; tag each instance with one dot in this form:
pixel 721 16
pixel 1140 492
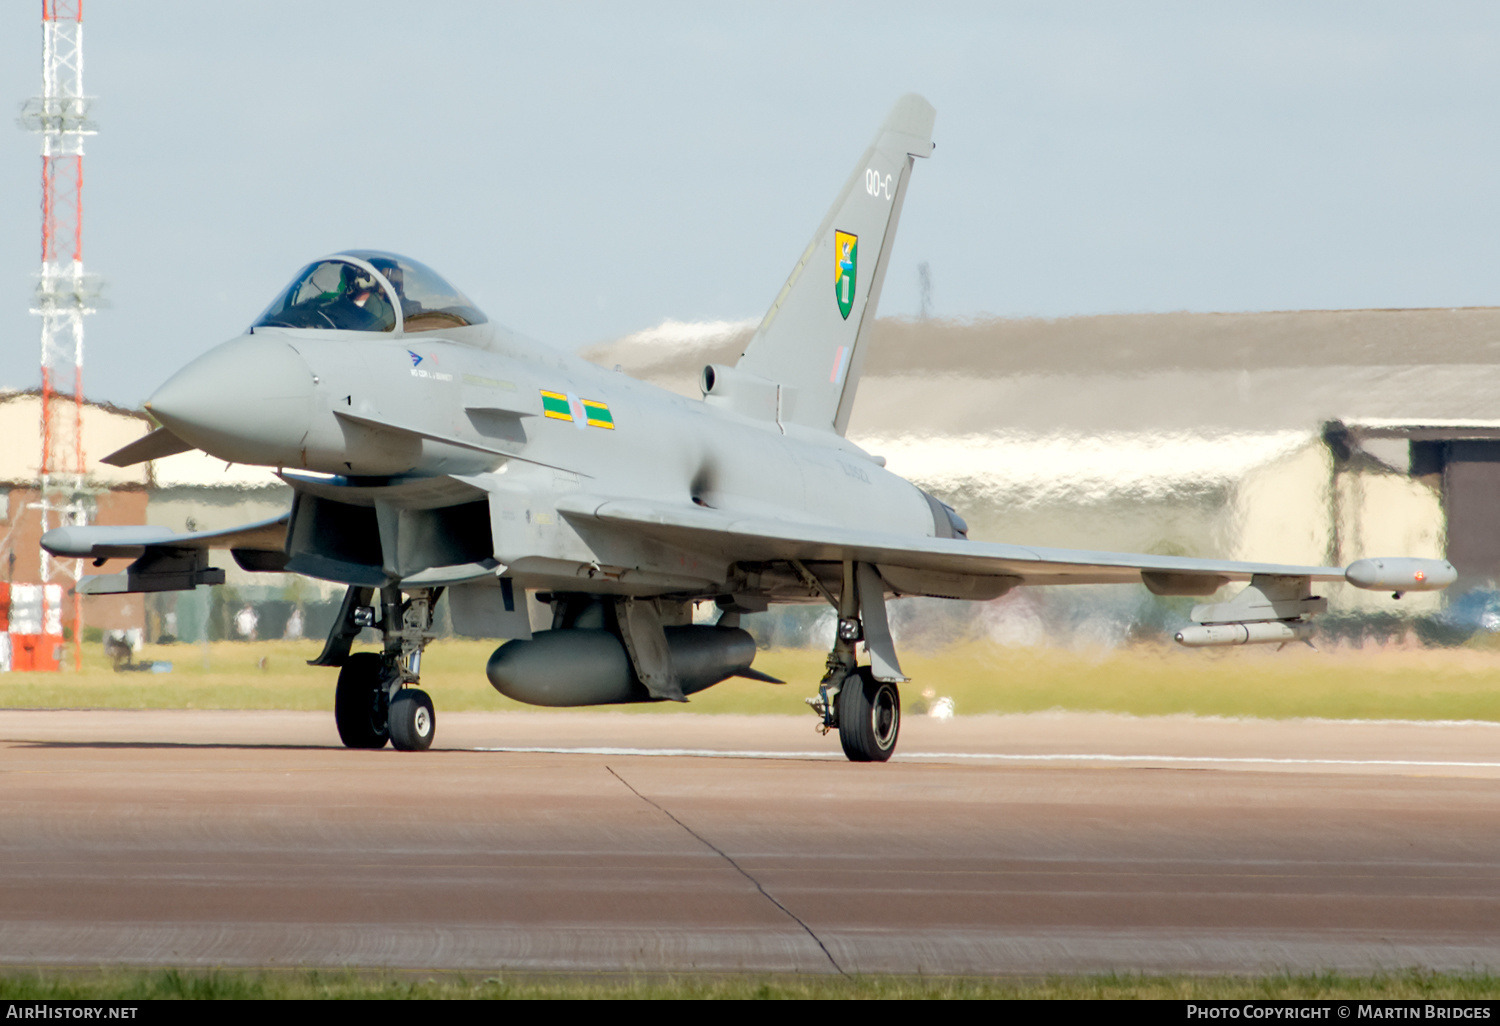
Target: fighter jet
pixel 432 452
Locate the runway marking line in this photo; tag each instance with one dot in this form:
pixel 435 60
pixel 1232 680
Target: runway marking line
pixel 714 753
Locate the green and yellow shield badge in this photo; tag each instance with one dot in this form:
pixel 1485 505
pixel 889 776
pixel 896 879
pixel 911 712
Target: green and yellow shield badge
pixel 845 260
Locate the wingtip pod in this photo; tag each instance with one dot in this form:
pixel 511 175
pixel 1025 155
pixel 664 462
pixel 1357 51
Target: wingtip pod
pixel 108 542
pixel 60 542
pixel 1401 573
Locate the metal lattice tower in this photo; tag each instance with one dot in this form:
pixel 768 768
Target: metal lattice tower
pixel 64 293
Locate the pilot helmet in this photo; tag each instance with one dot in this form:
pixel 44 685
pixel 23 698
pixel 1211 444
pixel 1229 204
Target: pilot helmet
pixel 392 272
pixel 357 280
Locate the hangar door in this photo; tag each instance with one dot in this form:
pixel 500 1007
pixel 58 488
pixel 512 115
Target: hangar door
pixel 1471 497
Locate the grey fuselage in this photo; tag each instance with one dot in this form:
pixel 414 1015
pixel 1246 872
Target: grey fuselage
pixel 411 422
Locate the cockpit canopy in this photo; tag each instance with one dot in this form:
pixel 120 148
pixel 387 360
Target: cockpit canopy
pixel 368 290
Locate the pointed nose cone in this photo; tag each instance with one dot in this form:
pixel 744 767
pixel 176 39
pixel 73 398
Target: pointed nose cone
pixel 248 401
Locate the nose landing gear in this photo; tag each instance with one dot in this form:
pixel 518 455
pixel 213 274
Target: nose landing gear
pixel 412 721
pixel 376 699
pixel 360 702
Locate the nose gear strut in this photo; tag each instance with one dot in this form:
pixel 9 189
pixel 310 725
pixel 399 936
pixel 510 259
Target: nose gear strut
pixel 377 697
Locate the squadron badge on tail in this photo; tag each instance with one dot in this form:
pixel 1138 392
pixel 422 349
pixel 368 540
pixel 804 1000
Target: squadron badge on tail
pixel 845 260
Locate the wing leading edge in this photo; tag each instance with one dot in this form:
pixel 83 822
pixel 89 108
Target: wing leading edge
pixel 761 539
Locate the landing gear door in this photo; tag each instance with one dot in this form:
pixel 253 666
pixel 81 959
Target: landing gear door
pixel 878 640
pixel 494 608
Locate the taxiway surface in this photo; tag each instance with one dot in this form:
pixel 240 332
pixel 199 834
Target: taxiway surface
pixel 613 841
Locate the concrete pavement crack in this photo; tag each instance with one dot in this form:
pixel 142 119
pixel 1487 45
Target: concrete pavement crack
pixel 738 868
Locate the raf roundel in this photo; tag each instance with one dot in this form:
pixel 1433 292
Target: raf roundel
pixel 581 413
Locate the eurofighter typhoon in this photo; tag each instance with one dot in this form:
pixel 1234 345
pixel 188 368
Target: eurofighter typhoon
pixel 434 453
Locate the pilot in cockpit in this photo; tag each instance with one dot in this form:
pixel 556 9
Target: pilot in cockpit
pixel 397 277
pixel 360 305
pixel 344 293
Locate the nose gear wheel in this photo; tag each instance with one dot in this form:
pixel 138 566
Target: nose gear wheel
pixel 413 721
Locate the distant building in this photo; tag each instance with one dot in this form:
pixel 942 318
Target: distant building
pixel 187 492
pixel 114 495
pixel 1304 437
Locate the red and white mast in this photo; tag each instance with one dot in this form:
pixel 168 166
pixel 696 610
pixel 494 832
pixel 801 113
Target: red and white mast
pixel 64 293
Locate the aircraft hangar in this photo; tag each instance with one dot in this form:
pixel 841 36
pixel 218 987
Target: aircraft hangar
pixel 1305 436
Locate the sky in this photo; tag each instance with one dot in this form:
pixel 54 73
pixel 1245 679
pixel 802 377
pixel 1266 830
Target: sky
pixel 588 170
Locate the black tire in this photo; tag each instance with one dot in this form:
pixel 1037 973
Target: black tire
pixel 359 702
pixel 869 717
pixel 413 721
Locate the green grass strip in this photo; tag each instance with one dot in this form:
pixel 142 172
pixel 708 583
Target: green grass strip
pixel 1145 680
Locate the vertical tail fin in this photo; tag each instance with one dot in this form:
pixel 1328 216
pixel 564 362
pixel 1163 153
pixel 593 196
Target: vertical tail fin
pixel 812 342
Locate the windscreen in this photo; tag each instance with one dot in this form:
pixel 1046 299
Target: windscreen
pixel 332 294
pixel 428 302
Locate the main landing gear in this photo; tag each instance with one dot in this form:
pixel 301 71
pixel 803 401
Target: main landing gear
pixel 376 699
pixel 869 717
pixel 865 710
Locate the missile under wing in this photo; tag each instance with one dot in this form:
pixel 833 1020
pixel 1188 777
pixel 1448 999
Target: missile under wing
pixel 434 453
